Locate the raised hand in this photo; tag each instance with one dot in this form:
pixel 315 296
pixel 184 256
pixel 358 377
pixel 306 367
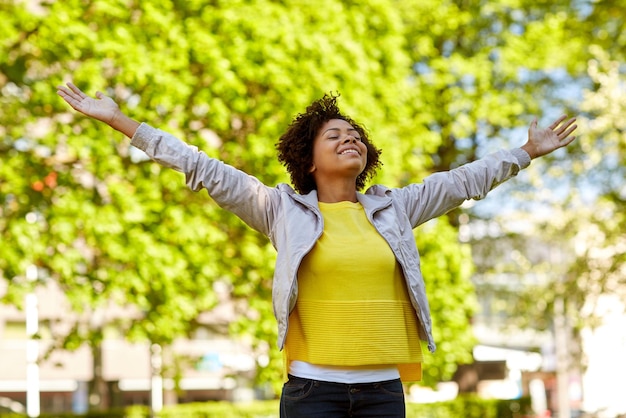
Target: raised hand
pixel 102 107
pixel 544 141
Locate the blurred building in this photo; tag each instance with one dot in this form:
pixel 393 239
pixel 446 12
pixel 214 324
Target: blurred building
pixel 212 366
pixel 605 348
pixel 537 354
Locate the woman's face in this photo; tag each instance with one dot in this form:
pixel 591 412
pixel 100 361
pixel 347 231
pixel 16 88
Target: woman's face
pixel 338 151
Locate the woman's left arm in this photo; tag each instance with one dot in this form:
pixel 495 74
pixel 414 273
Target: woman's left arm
pixel 444 191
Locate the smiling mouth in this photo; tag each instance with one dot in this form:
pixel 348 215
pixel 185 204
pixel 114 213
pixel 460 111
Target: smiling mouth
pixel 349 151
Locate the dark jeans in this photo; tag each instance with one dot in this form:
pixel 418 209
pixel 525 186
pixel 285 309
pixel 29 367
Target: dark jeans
pixel 306 398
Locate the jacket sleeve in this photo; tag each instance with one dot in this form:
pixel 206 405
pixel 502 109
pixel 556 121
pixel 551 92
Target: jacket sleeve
pixel 444 191
pixel 232 189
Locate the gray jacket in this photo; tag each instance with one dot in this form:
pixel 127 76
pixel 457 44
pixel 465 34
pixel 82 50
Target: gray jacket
pixel 293 222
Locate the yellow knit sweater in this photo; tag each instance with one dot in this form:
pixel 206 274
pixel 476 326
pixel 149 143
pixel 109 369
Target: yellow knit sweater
pixel 353 307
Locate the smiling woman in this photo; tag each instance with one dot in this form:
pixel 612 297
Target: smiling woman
pixel 348 293
pixel 339 157
pixel 322 119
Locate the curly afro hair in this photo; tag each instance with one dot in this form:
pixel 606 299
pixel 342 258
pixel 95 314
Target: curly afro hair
pixel 295 147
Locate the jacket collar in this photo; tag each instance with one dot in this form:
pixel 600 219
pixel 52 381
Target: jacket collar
pixel 370 200
pixel 309 199
pixel 373 202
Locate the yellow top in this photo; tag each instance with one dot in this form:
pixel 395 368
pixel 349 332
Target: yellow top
pixel 353 307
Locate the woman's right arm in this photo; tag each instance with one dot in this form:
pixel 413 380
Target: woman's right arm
pixel 239 193
pixel 232 189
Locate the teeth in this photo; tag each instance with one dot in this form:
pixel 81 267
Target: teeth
pixel 349 150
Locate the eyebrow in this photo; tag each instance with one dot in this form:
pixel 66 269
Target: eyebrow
pixel 338 129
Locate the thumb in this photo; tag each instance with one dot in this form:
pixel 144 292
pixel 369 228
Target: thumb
pixel 99 94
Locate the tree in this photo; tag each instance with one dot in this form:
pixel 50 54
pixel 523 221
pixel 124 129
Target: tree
pixel 109 228
pixel 596 207
pixel 582 215
pixel 481 71
pixel 578 216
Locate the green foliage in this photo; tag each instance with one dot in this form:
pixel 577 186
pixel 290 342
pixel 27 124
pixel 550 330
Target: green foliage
pixel 481 68
pixel 228 78
pixel 472 407
pixel 581 230
pixel 447 273
pixel 591 220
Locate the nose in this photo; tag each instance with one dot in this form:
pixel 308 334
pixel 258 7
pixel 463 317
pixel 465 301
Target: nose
pixel 349 138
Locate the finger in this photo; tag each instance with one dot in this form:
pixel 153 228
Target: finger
pixel 565 125
pixel 565 134
pixel 567 141
pixel 61 90
pixel 533 124
pixel 76 90
pixel 67 95
pixel 557 122
pixel 72 101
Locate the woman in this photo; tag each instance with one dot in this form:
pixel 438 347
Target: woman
pixel 348 292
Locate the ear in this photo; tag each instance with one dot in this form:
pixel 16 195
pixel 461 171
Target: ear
pixel 313 168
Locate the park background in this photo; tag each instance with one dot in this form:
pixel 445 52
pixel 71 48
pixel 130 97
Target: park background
pixel 114 251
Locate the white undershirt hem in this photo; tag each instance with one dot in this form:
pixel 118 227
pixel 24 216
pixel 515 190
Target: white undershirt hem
pixel 338 374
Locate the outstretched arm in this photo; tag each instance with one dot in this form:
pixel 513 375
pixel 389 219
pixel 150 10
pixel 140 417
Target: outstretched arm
pixel 544 141
pixel 101 108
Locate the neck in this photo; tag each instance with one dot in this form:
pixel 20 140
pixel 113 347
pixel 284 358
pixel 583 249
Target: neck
pixel 333 193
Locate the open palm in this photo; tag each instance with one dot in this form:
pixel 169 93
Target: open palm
pixel 101 107
pixel 542 141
